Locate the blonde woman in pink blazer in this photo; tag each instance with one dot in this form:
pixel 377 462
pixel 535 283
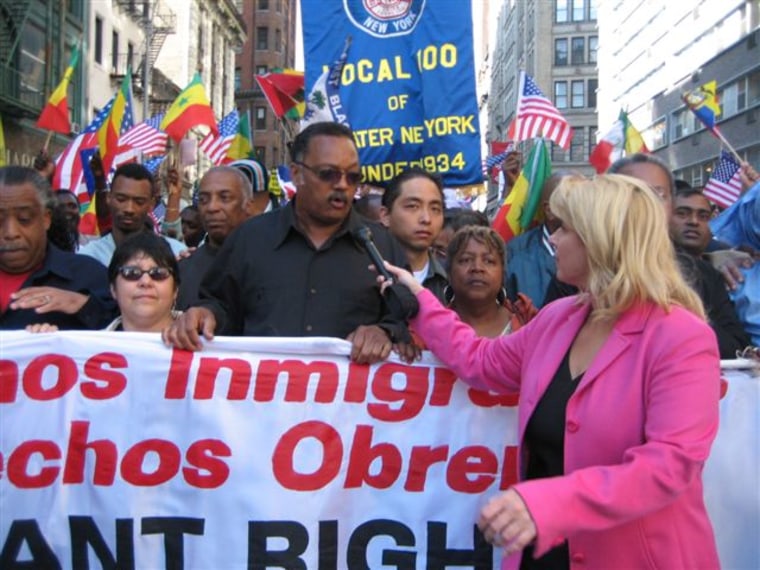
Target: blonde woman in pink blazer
pixel 619 391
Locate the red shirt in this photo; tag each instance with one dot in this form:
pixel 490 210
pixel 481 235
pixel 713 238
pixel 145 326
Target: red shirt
pixel 9 284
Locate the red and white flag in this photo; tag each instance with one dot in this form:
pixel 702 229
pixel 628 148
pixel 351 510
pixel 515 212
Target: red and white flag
pixel 216 147
pixel 724 186
pixel 538 117
pixel 146 137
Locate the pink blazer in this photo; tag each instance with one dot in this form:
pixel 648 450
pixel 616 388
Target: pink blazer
pixel 638 431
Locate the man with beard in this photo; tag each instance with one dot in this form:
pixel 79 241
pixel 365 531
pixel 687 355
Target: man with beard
pixel 130 201
pixel 300 270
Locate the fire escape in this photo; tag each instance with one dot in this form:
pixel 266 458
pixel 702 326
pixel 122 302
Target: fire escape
pixel 26 73
pixel 158 22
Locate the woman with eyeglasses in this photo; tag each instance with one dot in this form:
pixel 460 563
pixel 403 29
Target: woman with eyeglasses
pixel 144 280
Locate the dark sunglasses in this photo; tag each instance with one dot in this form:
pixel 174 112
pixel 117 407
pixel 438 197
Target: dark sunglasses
pixel 332 175
pixel 134 273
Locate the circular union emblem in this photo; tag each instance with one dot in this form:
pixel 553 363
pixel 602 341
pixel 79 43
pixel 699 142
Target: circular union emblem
pixel 387 9
pixel 385 18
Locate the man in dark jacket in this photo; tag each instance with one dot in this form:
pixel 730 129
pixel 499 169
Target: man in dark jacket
pixel 40 283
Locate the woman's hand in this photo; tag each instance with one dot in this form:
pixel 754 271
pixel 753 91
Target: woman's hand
pixel 41 328
pixel 505 521
pixel 402 276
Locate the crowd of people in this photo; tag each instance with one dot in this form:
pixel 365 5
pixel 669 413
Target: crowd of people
pixel 609 317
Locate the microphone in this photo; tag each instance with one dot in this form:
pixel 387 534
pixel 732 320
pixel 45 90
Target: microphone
pixel 401 301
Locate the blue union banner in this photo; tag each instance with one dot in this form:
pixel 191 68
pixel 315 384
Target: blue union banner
pixel 408 86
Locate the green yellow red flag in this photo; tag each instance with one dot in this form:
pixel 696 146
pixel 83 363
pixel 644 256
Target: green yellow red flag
pixel 241 146
pixel 55 115
pixel 521 204
pixel 118 121
pixel 190 109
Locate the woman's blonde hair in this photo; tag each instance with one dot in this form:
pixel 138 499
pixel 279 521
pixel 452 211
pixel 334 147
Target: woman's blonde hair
pixel 623 225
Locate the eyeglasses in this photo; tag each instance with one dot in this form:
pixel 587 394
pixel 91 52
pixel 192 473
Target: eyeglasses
pixel 134 273
pixel 332 175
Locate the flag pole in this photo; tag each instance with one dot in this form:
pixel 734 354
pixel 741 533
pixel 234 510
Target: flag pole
pixel 48 138
pixel 722 139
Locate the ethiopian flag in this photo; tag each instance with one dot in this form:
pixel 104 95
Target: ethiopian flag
pixel 241 146
pixel 117 122
pixel 190 109
pixel 55 115
pixel 522 202
pixel 622 138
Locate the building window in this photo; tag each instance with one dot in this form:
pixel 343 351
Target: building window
pixel 261 118
pixel 593 46
pixel 261 69
pixel 114 51
pixel 277 40
pixel 592 134
pixel 130 55
pixel 262 37
pixel 593 85
pixel 578 51
pixel 727 100
pixel 592 10
pixel 560 94
pixel 579 10
pixel 32 64
pixel 753 88
pixel 279 6
pixel 560 51
pixel 98 42
pixel 260 152
pixel 683 123
pixel 560 11
pixel 578 146
pixel 263 4
pixel 656 136
pixel 238 71
pixel 578 94
pixel 559 154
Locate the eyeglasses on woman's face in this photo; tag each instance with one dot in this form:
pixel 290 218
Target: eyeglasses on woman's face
pixel 135 273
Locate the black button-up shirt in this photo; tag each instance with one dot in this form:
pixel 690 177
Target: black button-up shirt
pixel 269 280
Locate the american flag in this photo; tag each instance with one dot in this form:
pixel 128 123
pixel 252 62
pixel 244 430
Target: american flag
pixel 146 137
pixel 154 163
pixel 538 117
pixel 68 167
pixel 724 185
pixel 216 147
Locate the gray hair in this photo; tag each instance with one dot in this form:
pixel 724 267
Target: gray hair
pixel 20 175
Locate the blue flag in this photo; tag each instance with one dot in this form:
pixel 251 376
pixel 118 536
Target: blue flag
pixel 408 84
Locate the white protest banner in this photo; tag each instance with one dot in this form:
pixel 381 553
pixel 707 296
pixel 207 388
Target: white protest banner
pixel 116 451
pixel 258 453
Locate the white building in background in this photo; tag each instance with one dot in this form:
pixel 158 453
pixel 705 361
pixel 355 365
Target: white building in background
pixel 555 42
pixel 652 51
pixel 115 39
pixel 208 35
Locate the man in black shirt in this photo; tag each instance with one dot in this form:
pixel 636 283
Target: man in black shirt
pixel 224 196
pixel 299 271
